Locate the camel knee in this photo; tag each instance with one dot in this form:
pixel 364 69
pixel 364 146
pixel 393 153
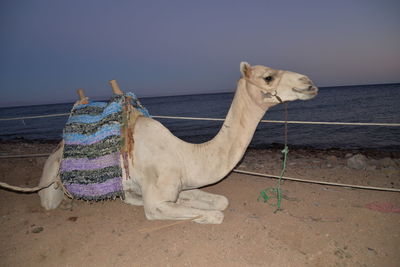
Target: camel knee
pixel 133 199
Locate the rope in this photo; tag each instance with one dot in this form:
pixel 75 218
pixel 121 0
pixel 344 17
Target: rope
pixel 285 152
pixel 335 123
pixel 318 182
pixel 220 119
pixel 152 229
pixel 264 194
pixel 289 122
pixel 35 117
pixel 24 156
pixel 25 189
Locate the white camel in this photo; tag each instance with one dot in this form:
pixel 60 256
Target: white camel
pixel 166 171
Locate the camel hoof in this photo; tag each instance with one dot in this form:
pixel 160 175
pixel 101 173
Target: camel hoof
pixel 50 198
pixel 49 204
pixel 211 217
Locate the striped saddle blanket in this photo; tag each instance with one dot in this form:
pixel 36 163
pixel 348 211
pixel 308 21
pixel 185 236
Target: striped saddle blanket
pixel 91 164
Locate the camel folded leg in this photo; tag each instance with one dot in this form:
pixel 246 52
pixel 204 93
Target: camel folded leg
pixel 174 211
pixel 199 199
pixel 160 203
pixel 51 197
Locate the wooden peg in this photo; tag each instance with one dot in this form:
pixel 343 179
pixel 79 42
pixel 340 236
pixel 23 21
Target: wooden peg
pixel 116 88
pixel 82 96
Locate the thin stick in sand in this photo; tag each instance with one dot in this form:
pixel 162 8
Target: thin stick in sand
pixel 152 229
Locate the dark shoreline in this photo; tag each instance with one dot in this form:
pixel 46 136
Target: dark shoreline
pixel 393 152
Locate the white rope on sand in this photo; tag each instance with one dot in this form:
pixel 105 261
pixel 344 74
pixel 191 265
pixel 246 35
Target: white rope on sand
pixel 219 119
pixel 318 182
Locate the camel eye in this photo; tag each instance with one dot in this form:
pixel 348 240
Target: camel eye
pixel 268 79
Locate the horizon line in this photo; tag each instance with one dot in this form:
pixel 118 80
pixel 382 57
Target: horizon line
pixel 98 98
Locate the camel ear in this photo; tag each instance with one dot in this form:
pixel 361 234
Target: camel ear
pixel 245 69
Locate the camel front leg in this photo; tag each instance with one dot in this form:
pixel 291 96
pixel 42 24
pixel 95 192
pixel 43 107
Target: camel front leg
pixel 160 203
pixel 199 199
pixel 173 211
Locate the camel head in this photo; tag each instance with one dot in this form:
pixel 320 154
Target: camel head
pixel 268 87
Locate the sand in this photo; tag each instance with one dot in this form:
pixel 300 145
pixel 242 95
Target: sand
pixel 318 226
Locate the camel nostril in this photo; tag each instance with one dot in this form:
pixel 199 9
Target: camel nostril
pixel 312 88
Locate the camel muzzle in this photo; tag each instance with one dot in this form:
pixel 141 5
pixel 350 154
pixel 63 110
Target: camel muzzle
pixel 310 90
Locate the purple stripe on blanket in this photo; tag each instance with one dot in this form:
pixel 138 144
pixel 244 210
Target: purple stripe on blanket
pixel 82 164
pixel 91 190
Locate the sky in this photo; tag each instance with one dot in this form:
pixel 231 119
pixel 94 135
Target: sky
pixel 49 49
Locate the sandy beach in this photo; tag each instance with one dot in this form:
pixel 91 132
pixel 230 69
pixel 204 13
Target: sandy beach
pixel 319 225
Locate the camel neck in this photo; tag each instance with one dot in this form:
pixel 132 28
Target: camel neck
pixel 224 151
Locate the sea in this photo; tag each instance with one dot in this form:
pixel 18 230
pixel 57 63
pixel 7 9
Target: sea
pixel 364 103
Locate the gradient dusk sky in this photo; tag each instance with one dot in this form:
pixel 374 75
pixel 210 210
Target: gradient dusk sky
pixel 48 48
